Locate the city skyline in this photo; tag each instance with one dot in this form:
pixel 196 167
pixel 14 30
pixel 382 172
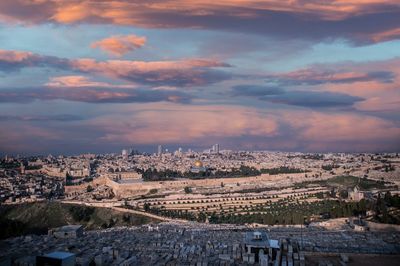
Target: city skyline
pixel 97 77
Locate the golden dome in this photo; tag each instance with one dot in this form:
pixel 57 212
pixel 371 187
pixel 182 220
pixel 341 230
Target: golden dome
pixel 198 163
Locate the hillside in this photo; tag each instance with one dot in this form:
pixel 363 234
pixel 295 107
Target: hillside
pixel 37 218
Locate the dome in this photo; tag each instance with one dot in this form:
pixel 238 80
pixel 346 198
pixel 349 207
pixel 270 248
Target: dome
pixel 198 163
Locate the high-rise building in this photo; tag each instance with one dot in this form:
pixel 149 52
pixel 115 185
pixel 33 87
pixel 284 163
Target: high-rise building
pixel 124 153
pixel 160 150
pixel 215 148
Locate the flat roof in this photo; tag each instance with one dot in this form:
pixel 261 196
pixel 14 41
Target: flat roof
pixel 274 243
pixel 59 255
pixel 70 227
pixel 250 239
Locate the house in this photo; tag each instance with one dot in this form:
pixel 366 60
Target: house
pixel 67 231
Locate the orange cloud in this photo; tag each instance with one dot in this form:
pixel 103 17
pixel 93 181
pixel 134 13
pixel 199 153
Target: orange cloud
pixel 14 56
pixel 134 12
pixel 120 45
pixel 179 73
pixel 81 81
pixel 189 72
pixel 386 35
pixel 336 18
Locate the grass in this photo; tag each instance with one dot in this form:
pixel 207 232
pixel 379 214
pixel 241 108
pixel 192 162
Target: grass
pixel 37 218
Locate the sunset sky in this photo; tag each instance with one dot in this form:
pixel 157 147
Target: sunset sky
pixel 99 76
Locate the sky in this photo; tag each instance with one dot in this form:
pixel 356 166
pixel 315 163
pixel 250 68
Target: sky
pixel 96 76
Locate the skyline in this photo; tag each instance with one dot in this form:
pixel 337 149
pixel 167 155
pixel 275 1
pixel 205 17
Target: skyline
pixel 97 76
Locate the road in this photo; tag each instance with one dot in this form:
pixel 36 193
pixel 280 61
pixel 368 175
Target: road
pixel 117 207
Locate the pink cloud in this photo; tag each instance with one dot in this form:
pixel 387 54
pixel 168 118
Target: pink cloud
pixel 248 127
pixel 235 127
pixel 77 81
pixel 188 72
pixel 14 56
pixel 119 45
pixel 131 12
pixel 385 35
pixel 320 74
pixel 379 96
pixel 342 128
pixel 336 18
pixel 178 73
pixel 169 123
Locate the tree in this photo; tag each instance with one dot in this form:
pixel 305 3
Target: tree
pixel 188 190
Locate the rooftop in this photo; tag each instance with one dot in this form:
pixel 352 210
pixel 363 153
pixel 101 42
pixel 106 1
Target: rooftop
pixel 59 255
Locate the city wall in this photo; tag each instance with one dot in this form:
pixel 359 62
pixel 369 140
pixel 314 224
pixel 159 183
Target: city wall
pixel 79 188
pixel 229 184
pixel 382 227
pixel 143 188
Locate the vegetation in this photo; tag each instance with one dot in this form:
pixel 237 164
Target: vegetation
pixel 281 212
pixel 89 188
pixel 345 182
pixel 33 167
pixel 37 218
pixel 283 170
pixel 387 209
pixel 288 211
pixel 69 180
pixel 242 171
pixel 153 191
pixel 9 165
pixel 155 175
pixel 329 167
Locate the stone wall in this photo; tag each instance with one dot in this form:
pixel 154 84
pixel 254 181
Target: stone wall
pixel 134 189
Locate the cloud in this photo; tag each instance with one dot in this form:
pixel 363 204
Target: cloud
pixel 167 123
pixel 179 73
pixel 316 76
pixel 15 60
pixel 388 35
pixel 377 83
pixel 313 99
pixel 41 118
pixel 119 45
pixel 256 90
pixel 358 21
pixel 76 81
pixel 92 95
pixel 344 131
pixel 234 127
pixel 182 73
pixel 246 127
